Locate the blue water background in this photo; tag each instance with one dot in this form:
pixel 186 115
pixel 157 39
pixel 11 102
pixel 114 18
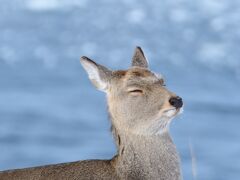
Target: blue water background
pixel 50 112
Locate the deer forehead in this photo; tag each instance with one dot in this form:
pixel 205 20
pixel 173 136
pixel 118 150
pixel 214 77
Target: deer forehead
pixel 137 76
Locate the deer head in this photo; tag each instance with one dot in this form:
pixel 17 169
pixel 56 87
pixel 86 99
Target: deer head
pixel 138 100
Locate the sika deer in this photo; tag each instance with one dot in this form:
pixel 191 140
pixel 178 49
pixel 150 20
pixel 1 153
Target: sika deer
pixel 141 109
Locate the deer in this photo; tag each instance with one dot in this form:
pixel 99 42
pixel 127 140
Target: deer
pixel 141 109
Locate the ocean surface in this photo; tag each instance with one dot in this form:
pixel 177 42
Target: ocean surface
pixel 50 112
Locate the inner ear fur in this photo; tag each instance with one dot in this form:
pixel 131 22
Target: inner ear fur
pixel 99 75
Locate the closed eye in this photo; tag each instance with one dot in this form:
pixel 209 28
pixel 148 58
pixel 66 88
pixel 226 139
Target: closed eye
pixel 136 91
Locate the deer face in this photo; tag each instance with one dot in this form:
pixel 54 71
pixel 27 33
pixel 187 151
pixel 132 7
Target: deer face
pixel 138 100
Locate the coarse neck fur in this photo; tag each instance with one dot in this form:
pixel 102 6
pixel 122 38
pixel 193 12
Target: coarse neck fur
pixel 146 157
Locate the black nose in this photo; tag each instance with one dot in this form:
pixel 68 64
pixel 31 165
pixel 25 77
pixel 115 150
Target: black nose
pixel 176 102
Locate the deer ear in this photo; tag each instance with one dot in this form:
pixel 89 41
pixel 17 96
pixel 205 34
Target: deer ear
pixel 139 59
pixel 98 74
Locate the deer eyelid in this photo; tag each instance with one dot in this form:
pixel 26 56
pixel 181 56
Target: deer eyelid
pixel 135 90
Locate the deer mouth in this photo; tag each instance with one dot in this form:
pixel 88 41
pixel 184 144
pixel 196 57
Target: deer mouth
pixel 172 112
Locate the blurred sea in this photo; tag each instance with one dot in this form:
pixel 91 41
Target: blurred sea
pixel 50 112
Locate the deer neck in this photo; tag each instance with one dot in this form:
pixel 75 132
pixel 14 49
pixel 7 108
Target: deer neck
pixel 147 157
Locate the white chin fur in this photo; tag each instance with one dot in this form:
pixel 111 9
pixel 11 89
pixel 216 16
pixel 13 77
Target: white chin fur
pixel 160 124
pixel 170 113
